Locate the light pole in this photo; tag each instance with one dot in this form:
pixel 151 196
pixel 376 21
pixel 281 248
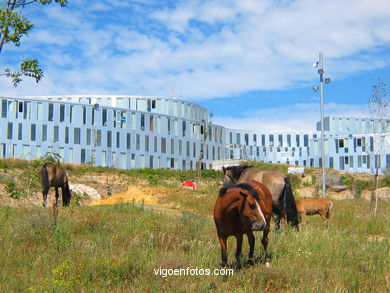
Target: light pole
pixel 320 71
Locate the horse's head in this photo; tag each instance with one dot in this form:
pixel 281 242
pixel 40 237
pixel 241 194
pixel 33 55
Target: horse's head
pixel 250 209
pixel 228 176
pixel 246 199
pixel 66 197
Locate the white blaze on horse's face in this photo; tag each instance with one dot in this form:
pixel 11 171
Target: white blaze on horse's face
pixel 260 212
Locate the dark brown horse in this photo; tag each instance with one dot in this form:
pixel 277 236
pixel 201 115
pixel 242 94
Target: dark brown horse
pixel 54 176
pixel 241 209
pixel 283 202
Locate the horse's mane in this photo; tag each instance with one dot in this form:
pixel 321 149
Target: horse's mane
pixel 237 170
pixel 245 186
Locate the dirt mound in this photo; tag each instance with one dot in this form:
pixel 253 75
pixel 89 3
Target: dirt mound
pixel 138 194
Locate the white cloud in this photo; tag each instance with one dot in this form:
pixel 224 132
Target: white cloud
pixel 209 48
pixel 300 117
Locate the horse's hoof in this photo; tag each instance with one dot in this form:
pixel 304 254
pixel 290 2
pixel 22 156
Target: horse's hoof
pixel 250 262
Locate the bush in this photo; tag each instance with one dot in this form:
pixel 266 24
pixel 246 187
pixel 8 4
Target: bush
pixel 14 192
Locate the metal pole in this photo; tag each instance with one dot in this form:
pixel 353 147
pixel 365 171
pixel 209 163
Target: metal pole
pixel 321 72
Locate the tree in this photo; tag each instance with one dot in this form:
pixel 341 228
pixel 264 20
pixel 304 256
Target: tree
pixel 13 26
pixel 378 106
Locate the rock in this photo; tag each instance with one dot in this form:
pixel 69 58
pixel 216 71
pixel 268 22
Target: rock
pixel 338 188
pixel 307 180
pixel 7 179
pixel 333 179
pixel 382 193
pixel 84 189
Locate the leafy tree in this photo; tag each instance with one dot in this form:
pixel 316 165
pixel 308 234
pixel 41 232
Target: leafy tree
pixel 13 26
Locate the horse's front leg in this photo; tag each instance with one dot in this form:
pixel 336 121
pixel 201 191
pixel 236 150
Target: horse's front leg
pixel 239 249
pixel 224 256
pixel 251 240
pixel 264 240
pixel 57 196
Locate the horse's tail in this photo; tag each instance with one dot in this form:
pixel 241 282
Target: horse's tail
pixel 45 178
pixel 289 203
pixel 330 206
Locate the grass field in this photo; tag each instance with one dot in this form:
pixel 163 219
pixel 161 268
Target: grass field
pixel 119 247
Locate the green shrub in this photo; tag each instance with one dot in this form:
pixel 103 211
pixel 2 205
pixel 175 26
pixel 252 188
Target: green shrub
pixel 12 190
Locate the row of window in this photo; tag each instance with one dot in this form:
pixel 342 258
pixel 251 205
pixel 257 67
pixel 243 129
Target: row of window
pixel 273 139
pixel 93 138
pixel 97 116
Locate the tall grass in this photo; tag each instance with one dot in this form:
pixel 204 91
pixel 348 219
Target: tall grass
pixel 117 248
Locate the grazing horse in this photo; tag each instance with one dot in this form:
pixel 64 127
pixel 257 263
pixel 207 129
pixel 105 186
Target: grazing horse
pixel 54 176
pixel 314 206
pixel 241 209
pixel 283 202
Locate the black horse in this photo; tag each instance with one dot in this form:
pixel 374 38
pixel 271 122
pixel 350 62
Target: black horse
pixel 283 201
pixel 54 176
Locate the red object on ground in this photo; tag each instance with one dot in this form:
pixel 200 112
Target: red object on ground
pixel 189 185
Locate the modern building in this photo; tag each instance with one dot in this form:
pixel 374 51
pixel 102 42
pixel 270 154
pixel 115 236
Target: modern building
pixel 150 132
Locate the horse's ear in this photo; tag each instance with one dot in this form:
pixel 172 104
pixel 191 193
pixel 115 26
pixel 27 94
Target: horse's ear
pixel 224 170
pixel 243 194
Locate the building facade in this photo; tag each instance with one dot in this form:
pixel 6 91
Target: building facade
pixel 150 132
pixel 123 132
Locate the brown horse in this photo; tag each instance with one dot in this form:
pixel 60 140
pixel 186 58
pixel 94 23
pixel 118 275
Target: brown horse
pixel 283 201
pixel 241 209
pixel 314 206
pixel 54 176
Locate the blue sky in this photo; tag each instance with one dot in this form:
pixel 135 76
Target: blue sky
pixel 248 61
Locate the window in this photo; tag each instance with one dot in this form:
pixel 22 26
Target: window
pixel 50 112
pixel 118 140
pixel 146 143
pixel 172 146
pixel 76 136
pixel 104 117
pixel 62 113
pixel 137 142
pixel 82 158
pixel 306 140
pixel 71 114
pixel 94 115
pixel 109 138
pixel 84 115
pixel 341 143
pixel 98 138
pixel 155 144
pixel 280 139
pixel 44 132
pixel 298 140
pixel 66 134
pixel 271 140
pixel 163 145
pixel 88 136
pixel 151 123
pixel 4 108
pixel 184 128
pixel 33 132
pixel 20 131
pixel 289 140
pixel 143 122
pixel 128 141
pixel 55 136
